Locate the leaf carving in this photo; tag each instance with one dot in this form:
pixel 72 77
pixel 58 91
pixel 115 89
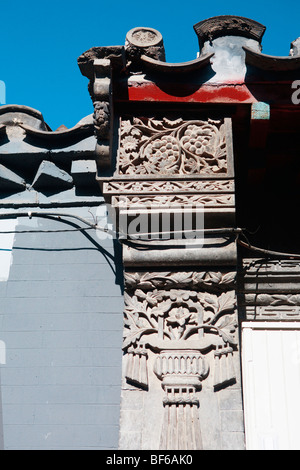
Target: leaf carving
pixel 134 305
pixel 162 308
pixel 226 328
pixel 182 278
pixel 131 279
pixel 227 301
pixel 228 278
pixel 134 335
pixel 215 277
pixel 227 337
pixel 210 301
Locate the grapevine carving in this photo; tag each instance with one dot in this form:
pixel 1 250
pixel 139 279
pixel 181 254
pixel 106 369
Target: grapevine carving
pixel 170 147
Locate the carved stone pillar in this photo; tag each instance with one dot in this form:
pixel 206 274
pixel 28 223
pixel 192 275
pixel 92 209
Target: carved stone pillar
pixel 181 372
pixel 172 200
pixel 180 327
pixel 180 319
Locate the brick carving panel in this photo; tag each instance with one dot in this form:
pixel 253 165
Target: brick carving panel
pixel 188 320
pixel 270 289
pixel 151 146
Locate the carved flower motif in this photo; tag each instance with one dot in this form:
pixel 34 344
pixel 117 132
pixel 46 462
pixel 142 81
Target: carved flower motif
pixel 179 315
pixel 129 143
pixel 168 186
pixel 137 186
pixel 126 127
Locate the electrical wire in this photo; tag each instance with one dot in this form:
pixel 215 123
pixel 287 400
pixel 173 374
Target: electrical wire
pixel 263 251
pixel 57 216
pixel 184 231
pixel 30 214
pixel 137 239
pixel 79 229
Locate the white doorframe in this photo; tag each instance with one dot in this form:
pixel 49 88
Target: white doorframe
pixel 271 384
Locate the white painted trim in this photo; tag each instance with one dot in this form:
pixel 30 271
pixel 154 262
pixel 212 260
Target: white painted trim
pixel 271 384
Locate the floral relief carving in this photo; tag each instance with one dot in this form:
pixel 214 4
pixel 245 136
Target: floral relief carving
pixel 168 186
pixel 180 317
pixel 177 315
pixel 170 200
pixel 273 299
pixel 209 280
pixel 172 147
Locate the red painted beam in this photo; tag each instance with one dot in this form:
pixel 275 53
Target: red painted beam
pixel 270 92
pixel 204 94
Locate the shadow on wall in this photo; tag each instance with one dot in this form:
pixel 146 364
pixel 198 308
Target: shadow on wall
pixel 113 260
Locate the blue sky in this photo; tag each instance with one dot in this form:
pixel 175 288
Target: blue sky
pixel 41 41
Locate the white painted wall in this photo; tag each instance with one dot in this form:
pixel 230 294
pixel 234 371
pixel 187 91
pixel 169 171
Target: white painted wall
pixel 6 245
pixel 271 385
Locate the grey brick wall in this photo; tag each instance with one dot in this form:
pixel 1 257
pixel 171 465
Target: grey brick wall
pixel 61 321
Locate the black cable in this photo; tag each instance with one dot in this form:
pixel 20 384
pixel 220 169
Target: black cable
pixel 278 254
pixel 138 241
pixel 79 229
pixel 57 216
